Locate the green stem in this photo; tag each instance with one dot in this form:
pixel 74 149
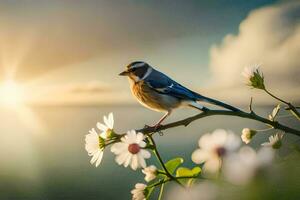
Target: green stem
pixel 163 181
pixel 292 108
pixel 161 191
pixel 158 156
pixel 161 161
pixel 272 95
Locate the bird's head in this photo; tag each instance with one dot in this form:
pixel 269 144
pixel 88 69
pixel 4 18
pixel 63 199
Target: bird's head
pixel 137 71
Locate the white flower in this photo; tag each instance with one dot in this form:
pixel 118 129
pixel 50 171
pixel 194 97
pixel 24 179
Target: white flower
pixel 108 125
pixel 275 141
pixel 248 73
pixel 93 147
pixel 150 173
pixel 130 150
pixel 254 77
pixel 138 193
pixel 204 190
pixel 241 167
pixel 247 135
pixel 213 147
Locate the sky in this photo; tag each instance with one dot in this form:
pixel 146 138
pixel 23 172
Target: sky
pixel 71 52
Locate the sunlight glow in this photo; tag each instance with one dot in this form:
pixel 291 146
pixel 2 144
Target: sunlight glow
pixel 11 94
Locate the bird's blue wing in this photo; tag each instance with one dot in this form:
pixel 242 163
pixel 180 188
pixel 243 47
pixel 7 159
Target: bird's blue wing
pixel 169 87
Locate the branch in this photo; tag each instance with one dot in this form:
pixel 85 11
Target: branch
pixel 251 115
pixel 291 107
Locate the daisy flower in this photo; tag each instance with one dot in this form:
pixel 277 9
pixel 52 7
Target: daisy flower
pixel 131 150
pixel 106 128
pixel 254 77
pixel 150 173
pixel 213 147
pixel 94 145
pixel 247 135
pixel 243 166
pixel 275 141
pixel 138 193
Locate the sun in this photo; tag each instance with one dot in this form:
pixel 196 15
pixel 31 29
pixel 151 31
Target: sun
pixel 11 94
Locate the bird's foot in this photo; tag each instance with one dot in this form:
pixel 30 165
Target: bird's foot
pixel 147 126
pixel 161 133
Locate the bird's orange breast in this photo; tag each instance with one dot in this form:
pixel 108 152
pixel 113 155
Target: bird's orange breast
pixel 151 99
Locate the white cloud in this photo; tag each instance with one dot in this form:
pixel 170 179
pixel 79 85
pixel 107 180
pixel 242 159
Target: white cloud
pixel 269 36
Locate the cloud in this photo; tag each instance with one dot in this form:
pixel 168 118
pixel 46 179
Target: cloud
pixel 40 36
pixel 80 93
pixel 269 36
pixel 89 87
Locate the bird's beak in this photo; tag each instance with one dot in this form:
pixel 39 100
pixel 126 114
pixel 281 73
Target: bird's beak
pixel 125 73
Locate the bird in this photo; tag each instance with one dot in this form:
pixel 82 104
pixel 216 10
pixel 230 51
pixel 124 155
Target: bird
pixel 157 91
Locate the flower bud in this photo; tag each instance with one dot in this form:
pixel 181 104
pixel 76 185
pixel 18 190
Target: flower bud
pixel 254 77
pixel 150 173
pixel 247 135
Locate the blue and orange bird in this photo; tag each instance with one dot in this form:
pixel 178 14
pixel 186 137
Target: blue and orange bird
pixel 158 92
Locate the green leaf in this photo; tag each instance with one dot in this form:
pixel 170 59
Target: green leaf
pixel 186 172
pixel 172 165
pixel 183 171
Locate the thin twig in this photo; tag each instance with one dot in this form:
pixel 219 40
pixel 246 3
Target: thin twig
pixel 291 107
pixel 250 105
pixel 253 116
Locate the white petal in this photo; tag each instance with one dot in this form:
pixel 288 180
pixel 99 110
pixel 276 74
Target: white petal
pixel 119 147
pixel 145 153
pixel 95 157
pixel 139 137
pixel 105 119
pixel 205 142
pixel 92 142
pixel 124 139
pixel 212 165
pixel 120 159
pixel 128 159
pixel 142 161
pixel 103 135
pixel 102 127
pixel 199 156
pixel 232 142
pixel 219 137
pixel 131 137
pixel 99 159
pixel 134 162
pixel 110 121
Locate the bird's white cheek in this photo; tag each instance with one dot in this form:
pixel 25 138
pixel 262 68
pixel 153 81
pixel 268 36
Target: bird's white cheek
pixel 134 78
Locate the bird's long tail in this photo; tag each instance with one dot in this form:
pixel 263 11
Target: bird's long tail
pixel 216 102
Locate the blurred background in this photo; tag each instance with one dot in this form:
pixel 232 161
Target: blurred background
pixel 59 66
